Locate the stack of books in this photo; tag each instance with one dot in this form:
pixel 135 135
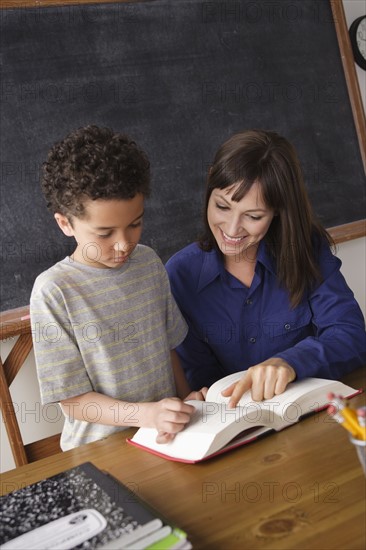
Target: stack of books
pixel 85 508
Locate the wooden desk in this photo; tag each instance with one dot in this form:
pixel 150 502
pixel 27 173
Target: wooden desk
pixel 302 488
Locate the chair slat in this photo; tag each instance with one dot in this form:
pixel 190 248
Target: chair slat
pixel 22 454
pixel 17 356
pixel 10 421
pixel 45 447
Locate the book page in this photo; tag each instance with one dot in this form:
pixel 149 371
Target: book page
pixel 212 426
pixel 214 391
pixel 299 398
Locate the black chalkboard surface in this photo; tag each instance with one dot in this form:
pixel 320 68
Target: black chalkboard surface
pixel 180 77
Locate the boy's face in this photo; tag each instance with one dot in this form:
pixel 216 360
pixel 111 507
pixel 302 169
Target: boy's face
pixel 108 232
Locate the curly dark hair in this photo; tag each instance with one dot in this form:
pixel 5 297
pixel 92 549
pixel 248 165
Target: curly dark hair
pixel 93 163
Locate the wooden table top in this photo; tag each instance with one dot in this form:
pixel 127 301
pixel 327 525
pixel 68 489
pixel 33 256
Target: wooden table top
pixel 302 488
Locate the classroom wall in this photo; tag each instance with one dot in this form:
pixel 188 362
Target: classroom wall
pixel 37 422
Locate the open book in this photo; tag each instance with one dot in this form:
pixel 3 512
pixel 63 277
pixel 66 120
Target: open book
pixel 215 428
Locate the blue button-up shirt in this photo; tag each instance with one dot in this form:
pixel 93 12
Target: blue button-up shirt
pixel 232 327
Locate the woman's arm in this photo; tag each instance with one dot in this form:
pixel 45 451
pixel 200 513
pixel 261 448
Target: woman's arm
pixel 339 343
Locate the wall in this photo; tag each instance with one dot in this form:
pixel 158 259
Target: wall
pixel 353 256
pixel 37 421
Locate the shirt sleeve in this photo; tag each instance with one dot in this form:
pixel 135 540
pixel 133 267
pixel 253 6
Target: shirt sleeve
pixel 339 342
pixel 60 368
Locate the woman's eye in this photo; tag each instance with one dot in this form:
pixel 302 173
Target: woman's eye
pixel 104 236
pixel 137 224
pixel 221 207
pixel 255 218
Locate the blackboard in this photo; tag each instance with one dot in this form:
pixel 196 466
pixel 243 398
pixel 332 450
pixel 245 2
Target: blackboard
pixel 180 77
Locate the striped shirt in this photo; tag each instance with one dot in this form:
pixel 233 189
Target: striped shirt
pixel 104 330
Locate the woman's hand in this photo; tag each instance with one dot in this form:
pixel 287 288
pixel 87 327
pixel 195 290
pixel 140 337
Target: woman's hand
pixel 265 380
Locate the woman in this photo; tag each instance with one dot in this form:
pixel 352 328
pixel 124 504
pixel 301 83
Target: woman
pixel 262 291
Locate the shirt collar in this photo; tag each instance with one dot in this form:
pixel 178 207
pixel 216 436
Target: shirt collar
pixel 213 267
pixel 265 258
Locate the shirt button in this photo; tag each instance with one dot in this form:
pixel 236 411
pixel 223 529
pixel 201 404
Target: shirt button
pixel 249 302
pixel 287 326
pixel 252 340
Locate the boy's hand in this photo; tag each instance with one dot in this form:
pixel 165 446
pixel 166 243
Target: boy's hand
pixel 197 395
pixel 169 416
pixel 164 437
pixel 266 379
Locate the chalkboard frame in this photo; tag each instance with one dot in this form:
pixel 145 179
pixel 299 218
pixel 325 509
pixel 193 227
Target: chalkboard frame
pixel 15 321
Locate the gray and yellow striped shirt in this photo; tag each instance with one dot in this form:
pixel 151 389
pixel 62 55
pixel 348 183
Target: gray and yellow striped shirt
pixel 104 330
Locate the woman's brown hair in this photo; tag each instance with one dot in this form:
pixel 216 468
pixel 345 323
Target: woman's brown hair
pixel 269 159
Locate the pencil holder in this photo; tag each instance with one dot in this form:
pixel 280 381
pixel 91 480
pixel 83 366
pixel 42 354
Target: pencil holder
pixel 361 451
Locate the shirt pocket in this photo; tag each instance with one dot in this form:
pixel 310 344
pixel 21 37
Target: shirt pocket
pixel 288 327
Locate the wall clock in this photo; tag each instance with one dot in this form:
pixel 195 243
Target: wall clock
pixel 357 33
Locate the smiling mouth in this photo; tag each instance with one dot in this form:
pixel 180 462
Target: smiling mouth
pixel 233 240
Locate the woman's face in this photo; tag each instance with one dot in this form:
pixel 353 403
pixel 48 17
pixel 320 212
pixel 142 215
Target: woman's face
pixel 238 226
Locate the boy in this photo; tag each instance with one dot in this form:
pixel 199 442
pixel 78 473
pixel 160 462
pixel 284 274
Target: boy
pixel 106 322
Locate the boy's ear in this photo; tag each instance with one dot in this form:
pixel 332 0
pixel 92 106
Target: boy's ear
pixel 64 224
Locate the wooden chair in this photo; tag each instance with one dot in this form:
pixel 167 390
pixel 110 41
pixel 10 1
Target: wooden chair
pixel 23 454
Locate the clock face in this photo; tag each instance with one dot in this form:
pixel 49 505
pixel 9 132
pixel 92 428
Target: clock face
pixel 361 37
pixel 357 33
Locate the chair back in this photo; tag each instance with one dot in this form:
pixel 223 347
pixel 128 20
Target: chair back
pixel 22 454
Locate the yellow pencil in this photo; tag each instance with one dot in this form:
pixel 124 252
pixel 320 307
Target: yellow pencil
pixel 333 411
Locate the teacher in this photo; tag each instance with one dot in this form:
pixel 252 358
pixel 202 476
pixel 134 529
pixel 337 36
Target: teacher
pixel 262 291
